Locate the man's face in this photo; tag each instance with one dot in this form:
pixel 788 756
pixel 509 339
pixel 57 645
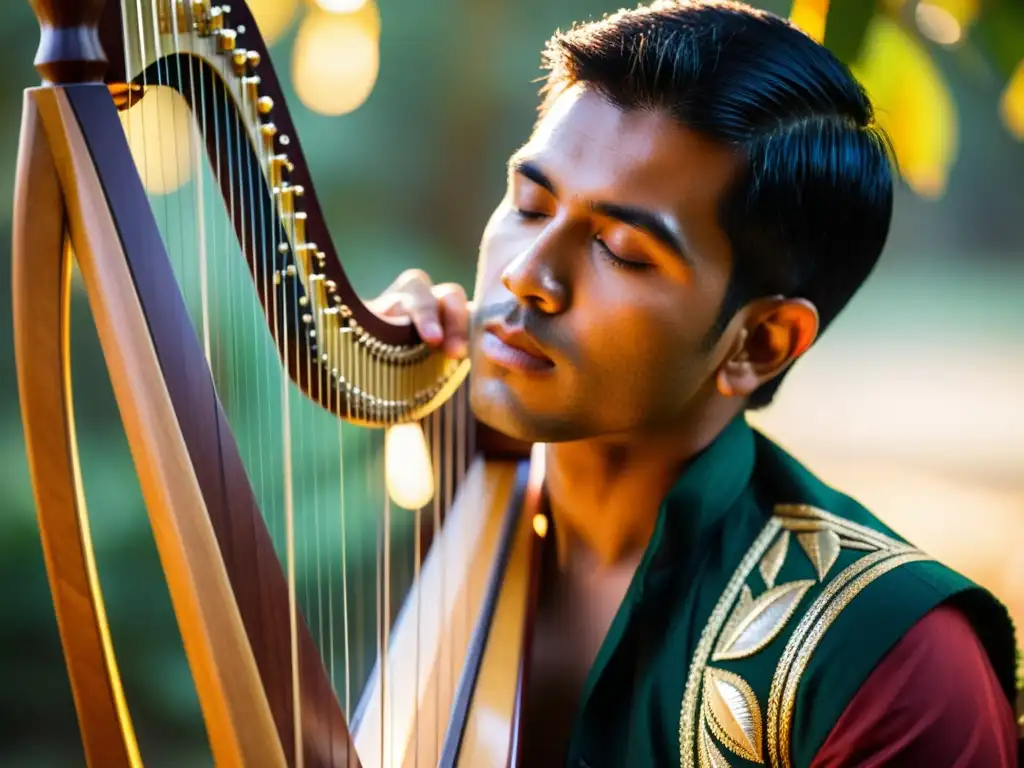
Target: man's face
pixel 605 262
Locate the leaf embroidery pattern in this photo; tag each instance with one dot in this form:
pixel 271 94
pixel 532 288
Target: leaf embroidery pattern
pixel 822 549
pixel 773 559
pixel 708 753
pixel 755 624
pixel 732 712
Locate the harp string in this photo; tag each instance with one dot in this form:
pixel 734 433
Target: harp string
pixel 387 393
pixel 291 363
pixel 326 345
pixel 259 247
pixel 435 433
pixel 284 451
pixel 345 358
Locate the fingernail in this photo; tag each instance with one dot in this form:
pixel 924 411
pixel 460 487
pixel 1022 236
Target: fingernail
pixel 432 332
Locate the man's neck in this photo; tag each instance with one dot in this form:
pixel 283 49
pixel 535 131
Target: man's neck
pixel 604 494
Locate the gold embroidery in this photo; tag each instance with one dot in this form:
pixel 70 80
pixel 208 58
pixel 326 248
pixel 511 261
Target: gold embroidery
pixel 753 625
pixel 739 611
pixel 688 712
pixel 821 548
pixel 708 753
pixel 778 680
pixel 772 562
pixel 730 708
pixel 846 543
pixel 803 517
pixel 848 584
pixel 743 625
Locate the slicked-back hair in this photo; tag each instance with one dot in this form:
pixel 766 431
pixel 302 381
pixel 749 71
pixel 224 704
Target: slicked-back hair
pixel 808 214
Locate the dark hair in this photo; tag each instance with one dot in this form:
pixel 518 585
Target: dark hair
pixel 808 214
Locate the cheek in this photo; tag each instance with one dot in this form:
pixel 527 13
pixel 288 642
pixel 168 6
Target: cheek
pixel 644 351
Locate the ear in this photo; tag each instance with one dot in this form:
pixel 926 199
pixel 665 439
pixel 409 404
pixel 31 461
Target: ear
pixel 774 334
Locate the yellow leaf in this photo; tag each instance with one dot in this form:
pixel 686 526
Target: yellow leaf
pixel 912 102
pixel 810 15
pixel 1011 105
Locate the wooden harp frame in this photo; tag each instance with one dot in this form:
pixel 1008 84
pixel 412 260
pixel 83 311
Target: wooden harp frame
pixel 77 195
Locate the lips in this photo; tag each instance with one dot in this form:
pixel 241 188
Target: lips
pixel 513 348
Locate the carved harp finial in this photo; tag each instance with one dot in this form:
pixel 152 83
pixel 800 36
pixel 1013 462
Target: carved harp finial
pixel 69 41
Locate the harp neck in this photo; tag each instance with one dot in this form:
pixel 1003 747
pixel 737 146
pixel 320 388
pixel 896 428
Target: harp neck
pixel 69 42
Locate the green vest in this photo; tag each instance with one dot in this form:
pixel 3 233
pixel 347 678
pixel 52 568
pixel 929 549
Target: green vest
pixel 763 602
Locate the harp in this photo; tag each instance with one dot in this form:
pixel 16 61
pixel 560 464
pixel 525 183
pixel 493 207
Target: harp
pixel 408 647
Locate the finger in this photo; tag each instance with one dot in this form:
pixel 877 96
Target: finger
pixel 454 310
pixel 410 279
pixel 423 310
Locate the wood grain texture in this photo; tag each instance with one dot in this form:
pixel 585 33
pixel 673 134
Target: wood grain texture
pixel 41 296
pixel 245 548
pixel 69 44
pixel 492 729
pixel 234 706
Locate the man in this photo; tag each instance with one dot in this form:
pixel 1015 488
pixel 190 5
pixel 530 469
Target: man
pixel 704 191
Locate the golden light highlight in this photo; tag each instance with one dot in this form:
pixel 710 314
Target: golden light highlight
pixel 273 17
pixel 336 58
pixel 160 132
pixel 408 471
pixel 938 24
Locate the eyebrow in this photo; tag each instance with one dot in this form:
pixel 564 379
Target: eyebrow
pixel 658 225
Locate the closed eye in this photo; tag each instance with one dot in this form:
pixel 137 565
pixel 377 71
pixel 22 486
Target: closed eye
pixel 618 261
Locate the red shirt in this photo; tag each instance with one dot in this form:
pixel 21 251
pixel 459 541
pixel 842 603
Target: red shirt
pixel 933 701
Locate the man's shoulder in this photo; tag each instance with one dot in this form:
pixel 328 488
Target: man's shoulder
pixel 821 596
pixel 935 694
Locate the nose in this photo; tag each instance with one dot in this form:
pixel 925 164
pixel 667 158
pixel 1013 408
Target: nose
pixel 534 276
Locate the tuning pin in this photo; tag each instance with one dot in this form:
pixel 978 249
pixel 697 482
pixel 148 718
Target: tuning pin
pixel 252 89
pixel 278 165
pixel 319 293
pixel 268 131
pixel 302 257
pixel 254 59
pixel 264 105
pixel 300 226
pixel 214 20
pixel 238 61
pixel 201 16
pixel 226 40
pixel 286 199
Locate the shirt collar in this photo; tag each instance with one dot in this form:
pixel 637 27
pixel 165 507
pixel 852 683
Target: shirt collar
pixel 702 496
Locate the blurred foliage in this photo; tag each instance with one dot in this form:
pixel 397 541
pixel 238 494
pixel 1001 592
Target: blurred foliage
pixel 409 180
pixel 895 48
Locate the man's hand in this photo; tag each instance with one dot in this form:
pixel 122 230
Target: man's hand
pixel 440 313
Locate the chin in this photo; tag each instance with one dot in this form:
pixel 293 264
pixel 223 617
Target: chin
pixel 496 405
